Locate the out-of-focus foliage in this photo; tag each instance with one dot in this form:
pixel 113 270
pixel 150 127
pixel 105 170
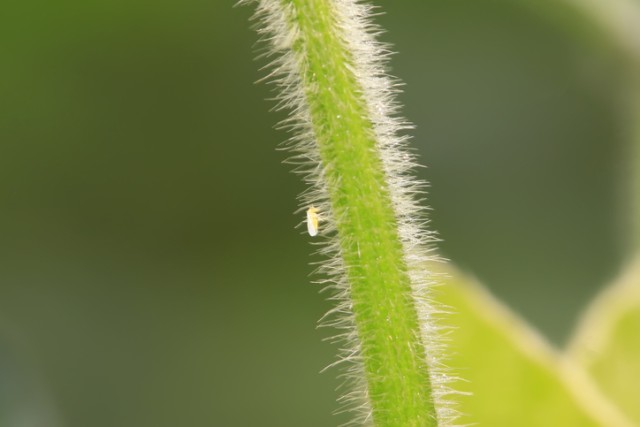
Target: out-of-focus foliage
pixel 607 344
pixel 511 373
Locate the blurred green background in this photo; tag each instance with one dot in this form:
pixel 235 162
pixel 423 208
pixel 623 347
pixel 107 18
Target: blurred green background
pixel 150 271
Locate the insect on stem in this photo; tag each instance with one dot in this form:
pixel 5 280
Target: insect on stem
pixel 313 219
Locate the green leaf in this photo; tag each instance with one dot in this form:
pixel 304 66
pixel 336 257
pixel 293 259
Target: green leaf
pixel 514 378
pixel 607 343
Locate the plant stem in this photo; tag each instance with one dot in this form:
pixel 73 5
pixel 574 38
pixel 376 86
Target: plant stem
pixel 385 314
pixel 330 75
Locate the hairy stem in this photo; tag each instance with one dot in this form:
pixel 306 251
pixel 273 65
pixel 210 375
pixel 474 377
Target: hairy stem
pixel 386 320
pixel 330 73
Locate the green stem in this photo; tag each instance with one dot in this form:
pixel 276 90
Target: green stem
pixel 385 314
pixel 329 74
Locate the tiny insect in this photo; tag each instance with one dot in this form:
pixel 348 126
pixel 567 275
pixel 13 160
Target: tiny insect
pixel 312 221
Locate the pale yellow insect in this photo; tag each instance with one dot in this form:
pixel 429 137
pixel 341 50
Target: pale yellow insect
pixel 313 218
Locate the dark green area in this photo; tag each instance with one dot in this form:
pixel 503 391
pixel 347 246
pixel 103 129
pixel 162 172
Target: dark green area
pixel 149 267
